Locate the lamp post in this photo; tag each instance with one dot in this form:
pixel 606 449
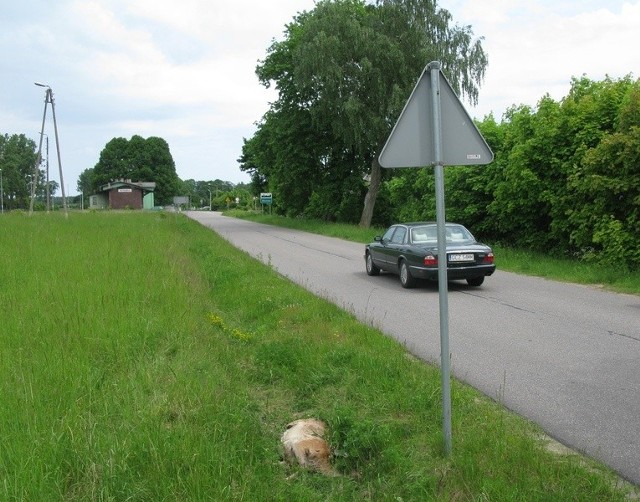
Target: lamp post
pixel 1 194
pixel 48 98
pixel 209 190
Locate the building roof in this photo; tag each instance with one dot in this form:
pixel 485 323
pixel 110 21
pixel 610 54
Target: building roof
pixel 145 186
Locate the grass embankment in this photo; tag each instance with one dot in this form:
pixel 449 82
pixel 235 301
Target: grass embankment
pixel 144 358
pixel 512 260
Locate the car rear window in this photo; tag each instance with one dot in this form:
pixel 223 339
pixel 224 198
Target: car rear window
pixel 456 234
pixel 424 235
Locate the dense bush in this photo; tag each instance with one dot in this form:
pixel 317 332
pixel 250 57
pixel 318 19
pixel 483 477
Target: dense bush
pixel 565 179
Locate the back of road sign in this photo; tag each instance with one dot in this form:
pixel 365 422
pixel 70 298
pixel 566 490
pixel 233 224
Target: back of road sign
pixel 410 143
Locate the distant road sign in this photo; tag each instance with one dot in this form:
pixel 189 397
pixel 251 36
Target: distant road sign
pixel 411 142
pixel 266 198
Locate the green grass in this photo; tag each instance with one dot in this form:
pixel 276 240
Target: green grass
pixel 576 271
pixel 512 260
pixel 144 358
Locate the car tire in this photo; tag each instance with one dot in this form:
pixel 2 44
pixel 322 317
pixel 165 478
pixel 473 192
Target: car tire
pixel 406 279
pixel 475 281
pixel 372 269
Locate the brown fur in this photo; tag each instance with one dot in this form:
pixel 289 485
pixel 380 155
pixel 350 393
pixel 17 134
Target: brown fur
pixel 304 443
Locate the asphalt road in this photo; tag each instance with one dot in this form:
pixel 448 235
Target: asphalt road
pixel 567 357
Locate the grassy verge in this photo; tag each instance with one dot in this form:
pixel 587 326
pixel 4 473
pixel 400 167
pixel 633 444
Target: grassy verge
pixel 144 358
pixel 513 260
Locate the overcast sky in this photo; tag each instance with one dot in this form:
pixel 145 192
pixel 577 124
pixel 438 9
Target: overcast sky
pixel 185 70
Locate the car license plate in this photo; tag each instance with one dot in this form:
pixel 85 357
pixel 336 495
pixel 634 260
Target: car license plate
pixel 461 257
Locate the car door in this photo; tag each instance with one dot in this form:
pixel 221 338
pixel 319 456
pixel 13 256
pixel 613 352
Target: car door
pixel 380 252
pixel 397 246
pixel 391 246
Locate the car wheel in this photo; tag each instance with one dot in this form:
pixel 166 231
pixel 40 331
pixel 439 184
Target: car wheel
pixel 372 269
pixel 475 281
pixel 406 279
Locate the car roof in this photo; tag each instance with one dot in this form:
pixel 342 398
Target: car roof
pixel 422 223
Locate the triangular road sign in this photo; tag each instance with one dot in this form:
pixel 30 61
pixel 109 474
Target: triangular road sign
pixel 411 142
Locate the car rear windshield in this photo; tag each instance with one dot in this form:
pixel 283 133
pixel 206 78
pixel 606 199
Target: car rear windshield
pixel 428 234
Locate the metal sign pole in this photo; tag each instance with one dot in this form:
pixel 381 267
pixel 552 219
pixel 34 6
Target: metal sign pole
pixel 457 142
pixel 434 68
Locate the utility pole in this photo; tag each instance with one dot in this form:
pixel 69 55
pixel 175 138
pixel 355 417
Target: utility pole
pixel 48 98
pixel 47 186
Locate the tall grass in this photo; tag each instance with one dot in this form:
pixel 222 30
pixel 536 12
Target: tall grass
pixel 568 270
pixel 144 358
pixel 90 310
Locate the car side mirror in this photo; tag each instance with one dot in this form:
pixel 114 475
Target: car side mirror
pixel 377 238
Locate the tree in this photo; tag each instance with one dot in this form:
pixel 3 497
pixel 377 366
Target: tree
pixel 201 192
pixel 343 74
pixel 53 187
pixel 18 155
pixel 603 209
pixel 285 157
pixel 427 36
pixel 86 181
pixel 565 177
pixel 137 159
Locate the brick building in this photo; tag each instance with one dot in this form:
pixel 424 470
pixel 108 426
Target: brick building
pixel 124 194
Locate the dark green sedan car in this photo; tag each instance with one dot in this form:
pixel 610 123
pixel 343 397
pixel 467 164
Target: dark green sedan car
pixel 411 251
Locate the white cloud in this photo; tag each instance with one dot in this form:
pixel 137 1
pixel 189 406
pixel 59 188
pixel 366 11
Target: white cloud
pixel 536 47
pixel 130 61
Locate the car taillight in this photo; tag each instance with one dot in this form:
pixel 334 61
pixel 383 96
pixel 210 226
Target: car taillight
pixel 488 258
pixel 430 260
